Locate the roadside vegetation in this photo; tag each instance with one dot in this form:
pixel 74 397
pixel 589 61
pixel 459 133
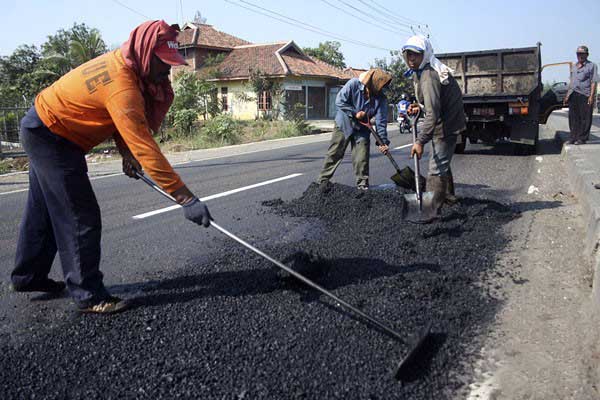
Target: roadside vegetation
pixel 197 118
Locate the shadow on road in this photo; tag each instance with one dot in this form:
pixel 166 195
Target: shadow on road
pixel 335 273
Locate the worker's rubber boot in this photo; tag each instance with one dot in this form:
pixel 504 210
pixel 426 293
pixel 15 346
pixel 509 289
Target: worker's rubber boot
pixel 439 186
pixel 406 179
pixel 451 198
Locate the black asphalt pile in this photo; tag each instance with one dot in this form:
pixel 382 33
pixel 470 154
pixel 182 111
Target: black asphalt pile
pixel 232 328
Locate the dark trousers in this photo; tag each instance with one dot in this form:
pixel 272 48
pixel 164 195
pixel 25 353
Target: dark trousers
pixel 62 215
pixel 580 117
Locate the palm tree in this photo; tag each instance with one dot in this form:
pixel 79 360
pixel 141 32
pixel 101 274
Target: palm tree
pixel 86 46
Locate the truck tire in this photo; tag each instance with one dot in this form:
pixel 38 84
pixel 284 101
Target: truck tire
pixel 460 147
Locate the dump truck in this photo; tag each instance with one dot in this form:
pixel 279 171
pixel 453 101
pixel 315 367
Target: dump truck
pixel 502 95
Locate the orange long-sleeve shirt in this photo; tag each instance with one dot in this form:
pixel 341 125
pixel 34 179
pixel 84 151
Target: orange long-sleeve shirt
pixel 97 99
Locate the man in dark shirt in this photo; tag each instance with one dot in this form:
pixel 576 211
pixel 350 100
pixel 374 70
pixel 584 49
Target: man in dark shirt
pixel 581 96
pixel 440 101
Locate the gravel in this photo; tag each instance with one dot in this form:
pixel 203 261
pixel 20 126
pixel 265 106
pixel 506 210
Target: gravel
pixel 232 327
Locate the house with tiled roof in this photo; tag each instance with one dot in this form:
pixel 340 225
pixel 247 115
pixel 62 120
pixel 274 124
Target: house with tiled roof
pixel 309 84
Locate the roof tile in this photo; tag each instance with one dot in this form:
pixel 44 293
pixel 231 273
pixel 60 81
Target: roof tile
pixel 209 37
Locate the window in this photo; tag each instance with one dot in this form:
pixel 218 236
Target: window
pixel 224 105
pixel 264 101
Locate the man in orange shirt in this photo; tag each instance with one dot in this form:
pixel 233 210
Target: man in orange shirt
pixel 124 94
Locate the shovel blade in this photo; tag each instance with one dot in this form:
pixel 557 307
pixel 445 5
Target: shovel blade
pixel 422 213
pixel 410 362
pixel 399 180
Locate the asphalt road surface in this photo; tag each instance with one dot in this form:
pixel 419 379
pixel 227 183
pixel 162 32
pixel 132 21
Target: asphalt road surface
pixel 209 330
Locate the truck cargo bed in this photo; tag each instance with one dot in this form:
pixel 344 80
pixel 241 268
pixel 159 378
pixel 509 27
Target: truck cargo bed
pixel 496 75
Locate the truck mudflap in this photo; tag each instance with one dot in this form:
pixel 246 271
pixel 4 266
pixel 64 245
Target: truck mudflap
pixel 524 132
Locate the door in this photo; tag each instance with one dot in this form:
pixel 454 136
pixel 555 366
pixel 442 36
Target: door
pixel 295 102
pixel 317 102
pixel 331 101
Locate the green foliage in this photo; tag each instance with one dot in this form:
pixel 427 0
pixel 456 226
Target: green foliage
pixel 194 95
pixel 86 46
pixel 223 129
pixel 213 59
pixel 78 44
pixel 183 120
pixel 28 70
pixel 259 83
pixel 328 52
pixel 210 65
pixel 397 68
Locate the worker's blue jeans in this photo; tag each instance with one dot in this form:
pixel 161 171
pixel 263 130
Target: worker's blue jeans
pixel 61 214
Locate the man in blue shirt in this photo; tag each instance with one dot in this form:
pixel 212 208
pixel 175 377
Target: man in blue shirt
pixel 581 96
pixel 359 100
pixel 402 113
pixel 403 105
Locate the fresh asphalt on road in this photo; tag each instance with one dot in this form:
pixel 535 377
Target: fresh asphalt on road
pixel 167 239
pixel 139 252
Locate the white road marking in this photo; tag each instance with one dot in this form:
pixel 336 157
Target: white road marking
pixel 202 159
pixel 15 191
pixel 91 179
pixel 403 147
pixel 216 196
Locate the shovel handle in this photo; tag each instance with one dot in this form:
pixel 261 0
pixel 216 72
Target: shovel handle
pixel 339 302
pixel 413 125
pixel 380 143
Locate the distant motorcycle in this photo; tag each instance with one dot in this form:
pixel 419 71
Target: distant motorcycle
pixel 403 123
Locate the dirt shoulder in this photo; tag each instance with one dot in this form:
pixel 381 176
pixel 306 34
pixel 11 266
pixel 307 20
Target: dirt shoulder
pixel 545 344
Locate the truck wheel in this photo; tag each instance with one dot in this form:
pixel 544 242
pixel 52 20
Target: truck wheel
pixel 473 140
pixel 460 147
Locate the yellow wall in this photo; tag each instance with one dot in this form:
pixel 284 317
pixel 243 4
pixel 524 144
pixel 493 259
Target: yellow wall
pixel 238 108
pixel 246 110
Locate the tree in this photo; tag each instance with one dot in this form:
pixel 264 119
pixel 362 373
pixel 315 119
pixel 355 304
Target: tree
pixel 268 91
pixel 86 46
pixel 28 69
pixel 193 96
pixel 396 67
pixel 18 84
pixel 328 52
pixel 78 44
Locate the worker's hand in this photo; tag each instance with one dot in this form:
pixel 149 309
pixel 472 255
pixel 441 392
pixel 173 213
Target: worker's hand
pixel 131 166
pixel 196 211
pixel 361 116
pixel 413 109
pixel 385 149
pixel 417 149
pixel 591 100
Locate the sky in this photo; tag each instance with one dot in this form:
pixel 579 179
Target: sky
pixel 457 25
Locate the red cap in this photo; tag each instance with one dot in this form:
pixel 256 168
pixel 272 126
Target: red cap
pixel 167 48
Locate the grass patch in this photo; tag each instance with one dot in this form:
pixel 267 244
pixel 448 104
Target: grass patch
pixel 15 164
pixel 225 131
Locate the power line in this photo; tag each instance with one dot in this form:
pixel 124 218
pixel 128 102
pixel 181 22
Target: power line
pixel 385 16
pixel 130 9
pixel 366 14
pixel 302 25
pixel 390 12
pixel 362 19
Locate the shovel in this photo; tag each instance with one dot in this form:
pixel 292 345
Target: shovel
pixel 418 207
pixel 398 179
pixel 417 344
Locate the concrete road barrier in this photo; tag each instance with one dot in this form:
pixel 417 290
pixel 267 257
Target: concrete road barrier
pixel 582 163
